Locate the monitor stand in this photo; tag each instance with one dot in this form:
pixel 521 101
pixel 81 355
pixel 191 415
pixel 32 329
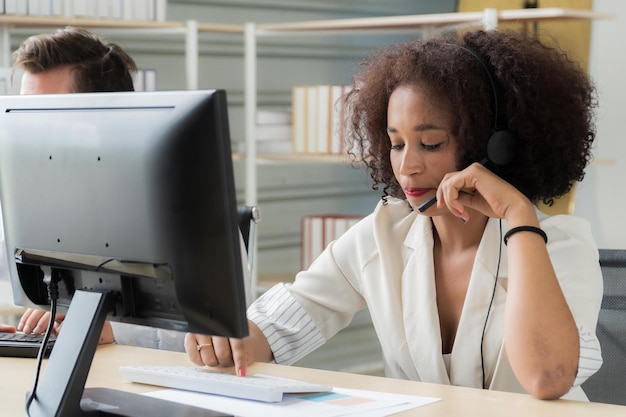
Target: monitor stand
pixel 61 391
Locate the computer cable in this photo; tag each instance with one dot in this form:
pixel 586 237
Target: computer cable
pixel 53 294
pixel 493 294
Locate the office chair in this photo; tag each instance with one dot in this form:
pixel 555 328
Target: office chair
pixel 249 216
pixel 608 385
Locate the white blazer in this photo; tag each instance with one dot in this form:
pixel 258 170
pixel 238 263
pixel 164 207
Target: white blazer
pixel 385 263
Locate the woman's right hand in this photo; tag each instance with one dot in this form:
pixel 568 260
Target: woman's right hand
pixel 221 351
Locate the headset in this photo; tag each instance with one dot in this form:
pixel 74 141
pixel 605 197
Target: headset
pixel 502 143
pixel 501 146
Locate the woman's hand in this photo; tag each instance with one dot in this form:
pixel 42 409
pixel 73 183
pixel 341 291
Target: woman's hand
pixel 221 351
pixel 477 188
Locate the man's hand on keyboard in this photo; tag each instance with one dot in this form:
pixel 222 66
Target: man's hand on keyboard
pixel 220 351
pixel 36 321
pixel 6 328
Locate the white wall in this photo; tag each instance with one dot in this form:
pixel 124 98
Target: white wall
pixel 601 197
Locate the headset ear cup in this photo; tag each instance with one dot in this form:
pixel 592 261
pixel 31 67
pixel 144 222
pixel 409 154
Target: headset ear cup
pixel 501 147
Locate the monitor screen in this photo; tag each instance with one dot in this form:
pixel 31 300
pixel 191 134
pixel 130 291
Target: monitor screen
pixel 126 194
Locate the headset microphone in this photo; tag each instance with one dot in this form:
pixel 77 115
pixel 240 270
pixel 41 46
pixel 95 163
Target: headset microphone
pixel 427 204
pixel 502 144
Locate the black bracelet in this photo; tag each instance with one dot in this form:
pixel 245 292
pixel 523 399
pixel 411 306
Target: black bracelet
pixel 525 229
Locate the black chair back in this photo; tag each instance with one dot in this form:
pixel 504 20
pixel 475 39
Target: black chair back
pixel 608 385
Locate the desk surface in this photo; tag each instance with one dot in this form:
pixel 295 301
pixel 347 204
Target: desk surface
pixel 17 377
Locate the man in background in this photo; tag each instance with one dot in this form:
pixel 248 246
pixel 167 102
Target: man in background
pixel 70 60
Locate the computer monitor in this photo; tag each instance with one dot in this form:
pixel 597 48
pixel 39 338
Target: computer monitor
pixel 127 200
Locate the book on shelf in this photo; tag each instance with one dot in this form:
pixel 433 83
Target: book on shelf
pixel 5 81
pixel 145 80
pixel 140 10
pixel 337 122
pixel 319 116
pixel 323 116
pixel 104 9
pixel 273 132
pixel 38 7
pixel 273 139
pixel 298 112
pixel 17 7
pixel 310 104
pixel 273 117
pixel 319 230
pixel 150 80
pixel 275 146
pixel 111 9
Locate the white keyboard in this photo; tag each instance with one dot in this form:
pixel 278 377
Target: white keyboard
pixel 257 387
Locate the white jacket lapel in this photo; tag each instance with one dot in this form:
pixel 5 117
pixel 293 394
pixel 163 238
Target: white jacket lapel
pixel 419 307
pixel 466 364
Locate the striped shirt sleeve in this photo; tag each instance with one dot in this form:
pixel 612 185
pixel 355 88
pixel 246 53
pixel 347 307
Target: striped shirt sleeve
pixel 590 358
pixel 290 331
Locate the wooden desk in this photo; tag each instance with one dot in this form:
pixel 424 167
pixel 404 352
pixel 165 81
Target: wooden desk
pixel 17 376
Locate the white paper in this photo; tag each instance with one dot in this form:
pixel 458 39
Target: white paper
pixel 340 402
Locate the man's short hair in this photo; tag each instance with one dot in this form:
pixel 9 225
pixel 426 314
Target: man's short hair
pixel 98 65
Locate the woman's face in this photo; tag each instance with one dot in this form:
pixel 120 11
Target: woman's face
pixel 423 148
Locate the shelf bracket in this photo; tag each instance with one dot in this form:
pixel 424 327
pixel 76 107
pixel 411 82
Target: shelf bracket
pixel 250 86
pixel 5 46
pixel 191 54
pixel 490 19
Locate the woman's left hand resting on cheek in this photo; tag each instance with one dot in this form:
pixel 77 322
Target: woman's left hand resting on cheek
pixel 477 188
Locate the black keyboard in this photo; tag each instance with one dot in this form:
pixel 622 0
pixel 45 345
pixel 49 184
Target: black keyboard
pixel 20 345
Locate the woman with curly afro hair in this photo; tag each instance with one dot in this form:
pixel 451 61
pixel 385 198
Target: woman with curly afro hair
pixel 466 281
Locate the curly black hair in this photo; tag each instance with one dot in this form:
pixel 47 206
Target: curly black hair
pixel 546 100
